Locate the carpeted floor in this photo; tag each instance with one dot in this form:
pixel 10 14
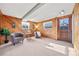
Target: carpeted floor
pixel 38 47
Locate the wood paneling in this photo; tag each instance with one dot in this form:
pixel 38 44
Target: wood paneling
pixel 52 33
pixel 76 27
pixel 55 33
pixel 7 22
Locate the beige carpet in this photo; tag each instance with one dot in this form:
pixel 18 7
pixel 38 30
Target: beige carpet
pixel 38 47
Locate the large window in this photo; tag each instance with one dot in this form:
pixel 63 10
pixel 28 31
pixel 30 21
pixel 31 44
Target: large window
pixel 47 25
pixel 25 25
pixel 64 23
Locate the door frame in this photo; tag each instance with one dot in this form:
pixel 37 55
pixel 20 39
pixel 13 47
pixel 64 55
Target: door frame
pixel 70 26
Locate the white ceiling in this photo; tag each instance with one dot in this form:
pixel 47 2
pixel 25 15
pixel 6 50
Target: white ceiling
pixel 47 11
pixel 16 9
pixel 50 11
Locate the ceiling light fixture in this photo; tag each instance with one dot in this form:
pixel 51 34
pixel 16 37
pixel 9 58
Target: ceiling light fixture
pixel 62 12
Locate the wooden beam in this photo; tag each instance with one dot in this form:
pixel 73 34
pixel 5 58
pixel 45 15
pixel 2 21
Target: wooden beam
pixel 37 6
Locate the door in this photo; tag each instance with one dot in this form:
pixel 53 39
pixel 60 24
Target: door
pixel 65 30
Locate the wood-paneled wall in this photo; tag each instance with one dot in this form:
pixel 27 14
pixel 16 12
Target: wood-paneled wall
pixel 52 33
pixel 76 28
pixel 7 22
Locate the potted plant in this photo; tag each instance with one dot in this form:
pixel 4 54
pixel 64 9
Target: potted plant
pixel 6 33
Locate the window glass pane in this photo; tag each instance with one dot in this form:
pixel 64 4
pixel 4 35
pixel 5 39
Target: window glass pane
pixel 25 25
pixel 64 23
pixel 47 25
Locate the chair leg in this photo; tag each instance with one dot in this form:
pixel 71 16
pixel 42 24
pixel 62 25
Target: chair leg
pixel 22 41
pixel 14 44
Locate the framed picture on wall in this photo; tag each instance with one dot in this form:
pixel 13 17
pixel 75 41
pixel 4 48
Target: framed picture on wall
pixel 48 25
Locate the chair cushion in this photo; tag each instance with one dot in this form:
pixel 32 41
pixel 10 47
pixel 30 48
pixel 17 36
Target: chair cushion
pixel 18 35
